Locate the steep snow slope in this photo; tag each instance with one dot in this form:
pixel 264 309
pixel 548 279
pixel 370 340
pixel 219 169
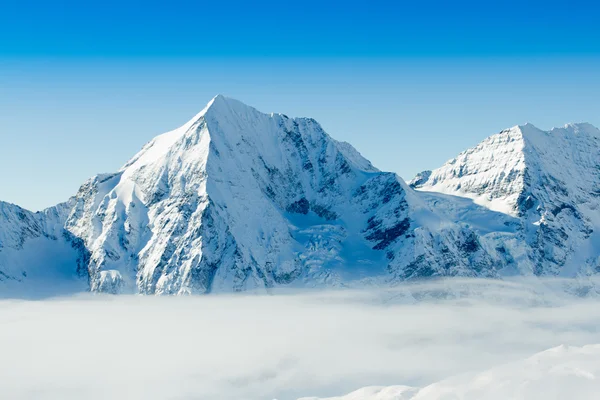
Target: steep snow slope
pixel 559 373
pixel 36 247
pixel 549 180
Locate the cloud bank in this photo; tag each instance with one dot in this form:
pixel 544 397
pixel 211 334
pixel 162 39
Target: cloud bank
pixel 282 346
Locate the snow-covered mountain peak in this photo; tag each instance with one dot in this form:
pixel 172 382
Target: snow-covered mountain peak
pixel 229 119
pixel 550 180
pixel 219 107
pixel 490 173
pixel 215 191
pixel 498 171
pixel 237 199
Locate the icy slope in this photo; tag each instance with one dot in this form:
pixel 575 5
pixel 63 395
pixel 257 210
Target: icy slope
pixel 549 180
pixel 559 373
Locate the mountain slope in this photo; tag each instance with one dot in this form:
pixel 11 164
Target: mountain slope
pixel 36 247
pixel 549 180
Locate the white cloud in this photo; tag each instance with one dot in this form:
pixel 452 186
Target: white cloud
pixel 284 346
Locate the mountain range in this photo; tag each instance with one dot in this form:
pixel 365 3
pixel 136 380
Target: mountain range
pixel 237 200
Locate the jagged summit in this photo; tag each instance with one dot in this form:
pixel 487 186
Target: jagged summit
pixel 497 171
pixel 490 173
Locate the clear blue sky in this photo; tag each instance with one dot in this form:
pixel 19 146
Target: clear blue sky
pixel 410 84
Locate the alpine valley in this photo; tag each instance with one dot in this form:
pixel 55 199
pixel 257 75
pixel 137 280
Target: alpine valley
pixel 237 200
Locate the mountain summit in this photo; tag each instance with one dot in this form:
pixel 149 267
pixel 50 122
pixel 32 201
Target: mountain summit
pixel 209 204
pixel 550 180
pixel 236 199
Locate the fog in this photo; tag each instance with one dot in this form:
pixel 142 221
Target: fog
pixel 284 345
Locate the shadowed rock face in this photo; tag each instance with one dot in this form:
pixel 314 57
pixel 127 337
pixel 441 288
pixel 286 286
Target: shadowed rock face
pixel 236 199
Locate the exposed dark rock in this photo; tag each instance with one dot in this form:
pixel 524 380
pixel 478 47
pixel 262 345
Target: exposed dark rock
pixel 385 236
pixel 301 206
pixel 323 212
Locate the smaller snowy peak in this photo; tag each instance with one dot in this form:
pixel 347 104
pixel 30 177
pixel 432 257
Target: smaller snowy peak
pixel 16 225
pixel 549 180
pixel 6 208
pixel 499 171
pixel 34 247
pixel 420 179
pixel 491 173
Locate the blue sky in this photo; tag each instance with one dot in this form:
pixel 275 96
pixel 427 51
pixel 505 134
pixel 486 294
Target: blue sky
pixel 410 84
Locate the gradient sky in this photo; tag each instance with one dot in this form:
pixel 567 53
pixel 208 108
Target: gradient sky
pixel 410 84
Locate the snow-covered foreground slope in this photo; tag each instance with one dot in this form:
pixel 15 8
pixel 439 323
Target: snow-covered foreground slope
pixel 559 373
pixel 237 200
pixel 550 181
pixel 298 343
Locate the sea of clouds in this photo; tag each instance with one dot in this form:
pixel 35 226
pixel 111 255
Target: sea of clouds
pixel 284 345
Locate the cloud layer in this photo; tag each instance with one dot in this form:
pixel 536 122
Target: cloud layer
pixel 284 346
